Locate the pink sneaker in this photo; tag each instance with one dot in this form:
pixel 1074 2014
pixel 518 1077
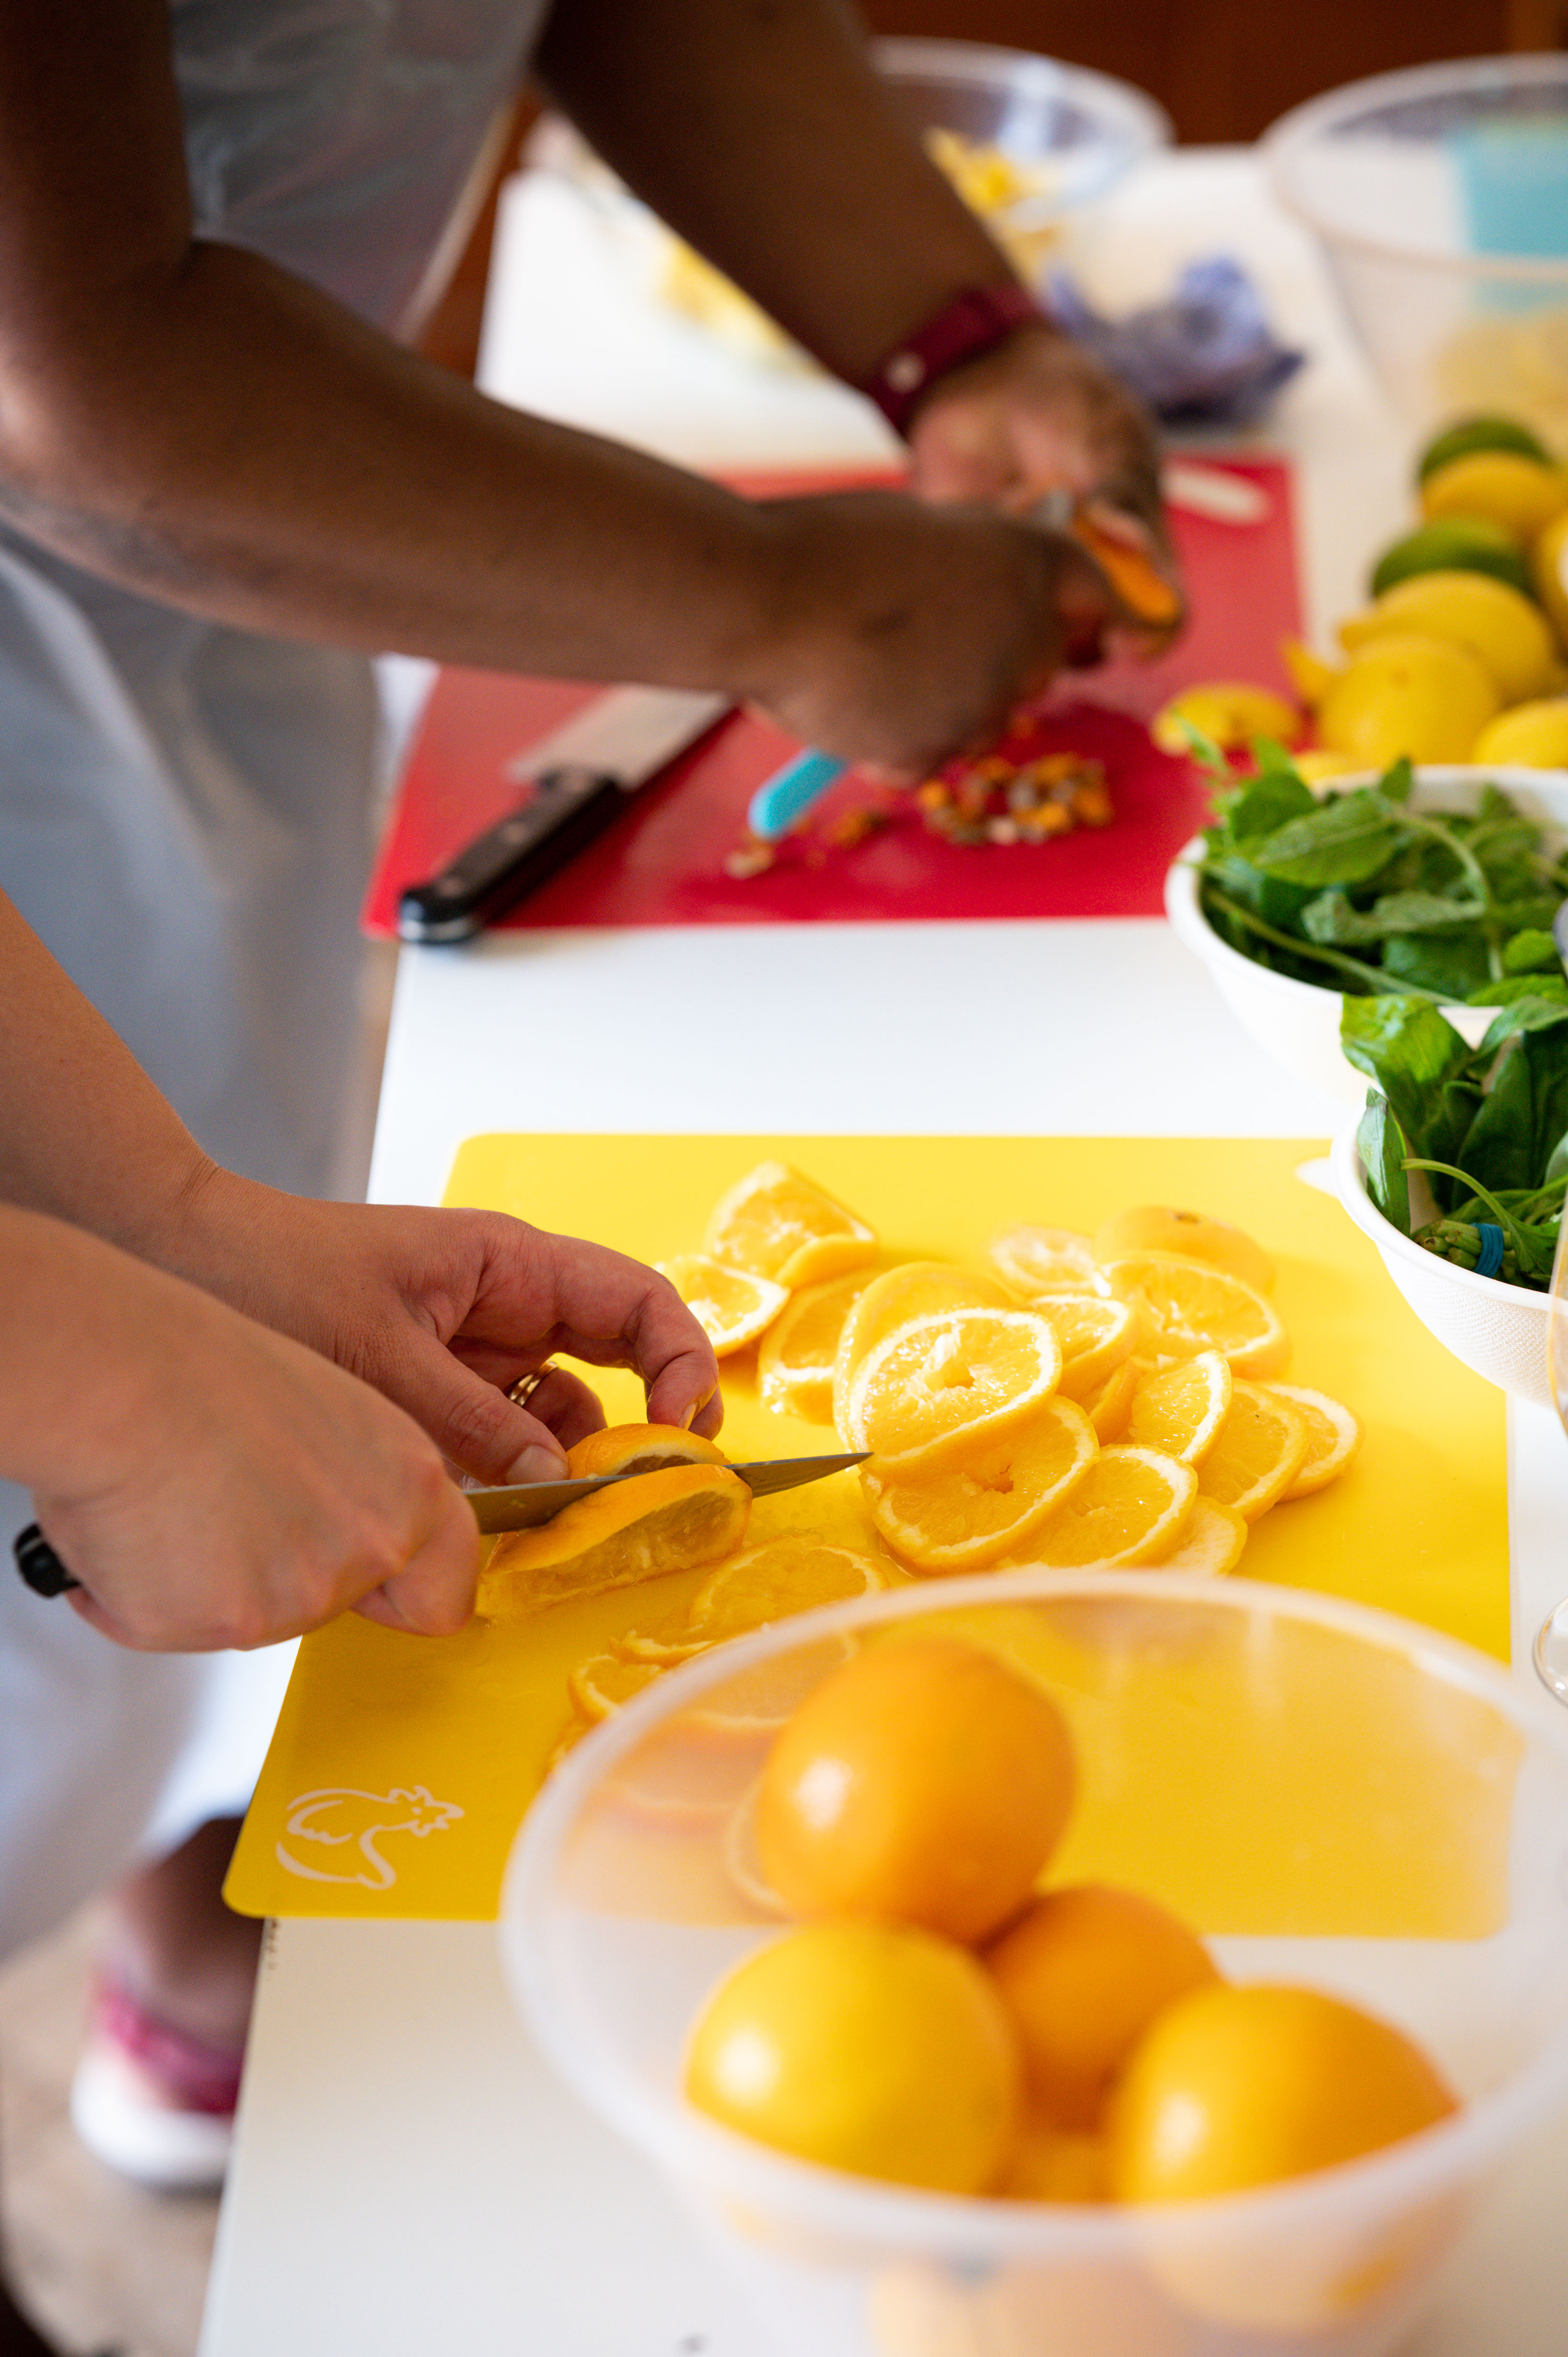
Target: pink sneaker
pixel 151 2101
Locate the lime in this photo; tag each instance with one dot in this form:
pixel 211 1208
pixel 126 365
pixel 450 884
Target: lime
pixel 1453 545
pixel 1473 433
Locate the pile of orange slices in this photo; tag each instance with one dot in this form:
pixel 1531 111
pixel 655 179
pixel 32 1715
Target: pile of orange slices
pixel 1104 1402
pixel 1120 1410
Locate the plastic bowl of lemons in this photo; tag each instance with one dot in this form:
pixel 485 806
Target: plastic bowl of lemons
pixel 1439 197
pixel 1297 1023
pixel 1221 1738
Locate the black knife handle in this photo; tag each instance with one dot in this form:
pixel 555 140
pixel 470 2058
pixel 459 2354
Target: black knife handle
pixel 39 1563
pixel 567 809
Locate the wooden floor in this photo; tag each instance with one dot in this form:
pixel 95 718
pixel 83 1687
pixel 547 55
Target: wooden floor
pixel 99 2264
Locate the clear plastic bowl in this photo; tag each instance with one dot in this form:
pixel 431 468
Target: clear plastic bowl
pixel 1332 1797
pixel 1297 1023
pixel 1089 126
pixel 1440 197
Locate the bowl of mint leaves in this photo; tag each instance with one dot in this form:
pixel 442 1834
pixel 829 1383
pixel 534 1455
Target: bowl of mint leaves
pixel 1438 886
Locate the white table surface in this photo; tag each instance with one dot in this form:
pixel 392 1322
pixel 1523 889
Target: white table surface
pixel 409 2178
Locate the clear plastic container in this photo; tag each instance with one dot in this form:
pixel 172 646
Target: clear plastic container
pixel 1440 197
pixel 1332 1797
pixel 1088 127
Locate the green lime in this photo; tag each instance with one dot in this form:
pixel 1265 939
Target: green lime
pixel 1473 433
pixel 1455 544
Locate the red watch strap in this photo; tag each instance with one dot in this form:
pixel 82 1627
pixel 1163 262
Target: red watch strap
pixel 974 322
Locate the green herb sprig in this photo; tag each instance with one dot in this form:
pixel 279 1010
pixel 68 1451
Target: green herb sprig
pixel 1360 893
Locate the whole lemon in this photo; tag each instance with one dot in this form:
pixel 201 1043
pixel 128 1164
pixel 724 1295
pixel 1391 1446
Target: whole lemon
pixel 1548 571
pixel 923 1782
pixel 1236 2087
pixel 1083 1974
pixel 870 2047
pixel 1420 696
pixel 1502 486
pixel 1531 737
pixel 1504 630
pixel 1230 713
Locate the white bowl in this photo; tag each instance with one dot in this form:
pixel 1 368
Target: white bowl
pixel 1500 1332
pixel 1297 1023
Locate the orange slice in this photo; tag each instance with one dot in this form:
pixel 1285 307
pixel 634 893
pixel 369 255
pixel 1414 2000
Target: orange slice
pixel 1044 1260
pixel 1160 1228
pixel 639 1448
pixel 940 1384
pixel 731 1307
pixel 1130 1508
pixel 1333 1436
pixel 777 1223
pixel 917 1289
pixel 1182 1410
pixel 603 1682
pixel 1109 1408
pixel 795 1361
pixel 674 1521
pixel 1096 1334
pixel 670 1642
pixel 962 1517
pixel 1211 1543
pixel 1196 1307
pixel 783 1576
pixel 1260 1447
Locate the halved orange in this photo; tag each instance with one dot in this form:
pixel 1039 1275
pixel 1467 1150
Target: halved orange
pixel 1161 1228
pixel 795 1360
pixel 916 1288
pixel 941 1384
pixel 777 1223
pixel 731 1307
pixel 603 1682
pixel 1182 1410
pixel 1196 1307
pixel 1096 1333
pixel 962 1517
pixel 1130 1508
pixel 1109 1407
pixel 785 1575
pixel 639 1448
pixel 1333 1436
pixel 674 1520
pixel 1211 1543
pixel 1044 1260
pixel 1260 1447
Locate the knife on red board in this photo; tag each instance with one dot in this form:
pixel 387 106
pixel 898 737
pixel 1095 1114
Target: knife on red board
pixel 571 786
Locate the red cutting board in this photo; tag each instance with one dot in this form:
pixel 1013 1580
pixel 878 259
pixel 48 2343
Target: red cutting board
pixel 662 863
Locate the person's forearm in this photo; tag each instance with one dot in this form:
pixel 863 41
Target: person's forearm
pixel 290 469
pixel 759 130
pixel 73 1319
pixel 84 1135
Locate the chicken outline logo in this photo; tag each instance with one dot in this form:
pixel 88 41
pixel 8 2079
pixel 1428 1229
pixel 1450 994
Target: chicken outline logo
pixel 338 1817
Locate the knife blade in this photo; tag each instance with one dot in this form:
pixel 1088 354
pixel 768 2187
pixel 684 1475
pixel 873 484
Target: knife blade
pixel 524 1505
pixel 571 785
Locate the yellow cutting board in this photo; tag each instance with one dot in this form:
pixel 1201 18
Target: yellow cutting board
pixel 401 1766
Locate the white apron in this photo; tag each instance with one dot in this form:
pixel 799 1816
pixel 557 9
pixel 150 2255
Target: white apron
pixel 184 818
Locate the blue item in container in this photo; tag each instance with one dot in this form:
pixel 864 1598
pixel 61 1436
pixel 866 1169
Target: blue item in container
pixel 1513 178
